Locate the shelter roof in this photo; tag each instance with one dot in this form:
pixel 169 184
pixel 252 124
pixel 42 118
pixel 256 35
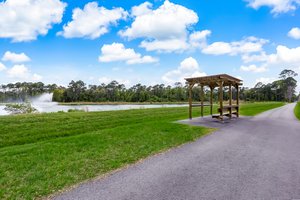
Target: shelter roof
pixel 215 80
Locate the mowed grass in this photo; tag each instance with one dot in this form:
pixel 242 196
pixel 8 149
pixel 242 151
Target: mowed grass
pixel 297 110
pixel 44 153
pixel 251 109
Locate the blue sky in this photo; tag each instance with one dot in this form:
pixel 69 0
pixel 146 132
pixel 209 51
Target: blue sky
pixel 56 41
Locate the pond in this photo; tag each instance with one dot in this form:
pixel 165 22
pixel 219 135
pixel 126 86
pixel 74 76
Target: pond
pixel 44 104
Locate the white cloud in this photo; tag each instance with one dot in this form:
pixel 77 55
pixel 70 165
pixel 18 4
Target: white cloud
pixel 169 20
pixel 142 9
pixel 2 67
pixel 278 6
pixel 285 55
pixel 24 20
pixel 245 46
pixel 218 48
pixel 36 77
pixel 15 57
pixel 294 33
pixel 164 29
pixel 189 67
pixel 167 45
pixel 107 80
pixel 262 57
pixel 283 58
pixel 253 68
pixel 21 72
pixel 92 21
pixel 197 39
pixel 265 80
pixel 118 52
pixel 18 71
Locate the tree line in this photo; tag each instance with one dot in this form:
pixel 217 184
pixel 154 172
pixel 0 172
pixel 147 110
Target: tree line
pixel 20 92
pixel 282 89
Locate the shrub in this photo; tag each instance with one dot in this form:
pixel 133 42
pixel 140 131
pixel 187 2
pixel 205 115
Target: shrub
pixel 20 108
pixel 75 110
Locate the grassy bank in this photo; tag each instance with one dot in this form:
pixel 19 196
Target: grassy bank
pixel 297 110
pixel 43 153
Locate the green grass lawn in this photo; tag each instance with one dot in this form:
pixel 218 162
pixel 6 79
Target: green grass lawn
pixel 43 153
pixel 297 110
pixel 251 109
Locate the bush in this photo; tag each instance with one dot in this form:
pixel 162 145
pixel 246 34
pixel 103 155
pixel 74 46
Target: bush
pixel 75 110
pixel 58 95
pixel 20 108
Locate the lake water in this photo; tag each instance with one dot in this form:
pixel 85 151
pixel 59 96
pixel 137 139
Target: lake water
pixel 44 104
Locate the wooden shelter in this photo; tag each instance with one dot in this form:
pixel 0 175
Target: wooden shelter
pixel 220 81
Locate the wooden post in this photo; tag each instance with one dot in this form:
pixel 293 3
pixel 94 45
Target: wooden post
pixel 202 100
pixel 211 99
pixel 237 100
pixel 190 101
pixel 221 99
pixel 230 100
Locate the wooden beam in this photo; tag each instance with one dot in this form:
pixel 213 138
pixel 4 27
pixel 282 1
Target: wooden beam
pixel 230 100
pixel 237 100
pixel 221 99
pixel 202 100
pixel 211 99
pixel 190 101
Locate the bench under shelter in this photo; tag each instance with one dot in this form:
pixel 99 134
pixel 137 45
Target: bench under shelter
pixel 219 81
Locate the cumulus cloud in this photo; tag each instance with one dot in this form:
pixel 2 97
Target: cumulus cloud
pixel 165 29
pixel 253 68
pixel 21 72
pixel 92 21
pixel 189 67
pixel 25 20
pixel 142 9
pixel 278 6
pixel 261 57
pixel 218 48
pixel 118 52
pixel 15 57
pixel 285 55
pixel 198 39
pixel 167 45
pixel 294 33
pixel 167 21
pixel 2 67
pixel 18 71
pixel 245 46
pixel 265 80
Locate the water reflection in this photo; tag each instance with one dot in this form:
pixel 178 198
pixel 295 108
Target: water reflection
pixel 43 104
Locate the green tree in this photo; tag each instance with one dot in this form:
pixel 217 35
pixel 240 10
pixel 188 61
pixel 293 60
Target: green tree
pixel 289 83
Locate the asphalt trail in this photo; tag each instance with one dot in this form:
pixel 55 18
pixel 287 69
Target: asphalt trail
pixel 256 158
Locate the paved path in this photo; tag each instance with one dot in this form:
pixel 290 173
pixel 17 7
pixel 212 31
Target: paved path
pixel 258 158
